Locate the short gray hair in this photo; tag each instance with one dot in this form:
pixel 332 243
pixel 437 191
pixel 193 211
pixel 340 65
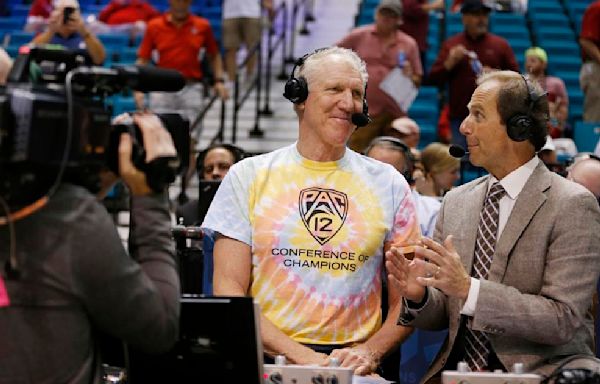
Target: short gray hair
pixel 311 64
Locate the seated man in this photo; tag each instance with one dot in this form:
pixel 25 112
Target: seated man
pixel 68 29
pixel 303 229
pixel 517 286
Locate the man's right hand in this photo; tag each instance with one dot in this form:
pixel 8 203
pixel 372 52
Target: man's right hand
pixel 403 273
pixel 455 55
pixel 157 143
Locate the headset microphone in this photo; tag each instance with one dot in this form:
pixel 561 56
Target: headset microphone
pixel 457 151
pixel 360 119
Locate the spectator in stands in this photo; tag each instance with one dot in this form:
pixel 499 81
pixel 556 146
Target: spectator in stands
pixel 213 164
pixel 242 23
pixel 398 154
pixel 440 170
pixel 69 31
pixel 415 21
pixel 536 62
pixel 39 12
pixel 303 229
pixel 5 65
pixel 587 173
pixel 179 37
pixel 589 77
pixel 464 56
pixel 407 130
pixel 125 16
pixel 549 156
pixel 383 47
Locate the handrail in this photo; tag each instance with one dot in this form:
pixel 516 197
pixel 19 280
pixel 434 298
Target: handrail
pixel 239 101
pixel 271 49
pixel 295 6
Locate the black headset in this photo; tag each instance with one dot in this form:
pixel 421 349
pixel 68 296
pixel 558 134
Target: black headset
pixel 296 88
pixel 519 126
pixel 409 165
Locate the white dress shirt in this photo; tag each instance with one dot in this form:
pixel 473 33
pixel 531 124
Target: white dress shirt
pixel 513 184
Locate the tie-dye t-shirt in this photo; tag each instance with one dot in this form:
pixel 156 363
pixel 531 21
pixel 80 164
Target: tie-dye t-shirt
pixel 317 232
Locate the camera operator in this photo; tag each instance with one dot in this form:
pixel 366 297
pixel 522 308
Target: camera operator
pixel 66 27
pixel 74 276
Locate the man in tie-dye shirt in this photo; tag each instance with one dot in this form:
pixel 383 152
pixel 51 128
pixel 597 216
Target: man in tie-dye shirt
pixel 303 229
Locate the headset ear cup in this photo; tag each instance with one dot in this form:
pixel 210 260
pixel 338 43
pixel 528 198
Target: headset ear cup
pixel 519 127
pixel 296 90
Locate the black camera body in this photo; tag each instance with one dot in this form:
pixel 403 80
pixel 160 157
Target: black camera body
pixel 62 119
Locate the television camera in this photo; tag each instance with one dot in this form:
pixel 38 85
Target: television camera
pixel 55 122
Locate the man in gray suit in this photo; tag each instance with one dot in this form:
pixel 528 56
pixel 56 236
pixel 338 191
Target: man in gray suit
pixel 525 297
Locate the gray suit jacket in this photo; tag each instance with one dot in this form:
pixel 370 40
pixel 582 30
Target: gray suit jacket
pixel 535 304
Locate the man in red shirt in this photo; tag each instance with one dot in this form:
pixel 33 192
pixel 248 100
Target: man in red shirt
pixel 589 77
pixel 464 56
pixel 178 36
pixel 383 47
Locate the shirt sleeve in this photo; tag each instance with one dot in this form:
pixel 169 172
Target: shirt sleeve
pixel 147 44
pixel 211 45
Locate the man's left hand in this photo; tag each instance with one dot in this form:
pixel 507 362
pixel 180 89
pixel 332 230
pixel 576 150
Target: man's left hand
pixel 445 268
pixel 360 358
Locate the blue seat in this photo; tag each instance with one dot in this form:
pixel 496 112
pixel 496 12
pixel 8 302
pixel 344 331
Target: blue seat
pixel 557 18
pixel 559 48
pixel 564 64
pixel 543 31
pixel 12 51
pixel 123 104
pixel 510 32
pixel 19 10
pixel 453 29
pixel 126 56
pixel 575 8
pixel 11 23
pixel 543 6
pixel 586 135
pixel 20 37
pixel 428 93
pixel 114 40
pixel 507 19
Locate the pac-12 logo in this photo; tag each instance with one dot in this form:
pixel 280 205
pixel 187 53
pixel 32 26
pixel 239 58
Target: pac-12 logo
pixel 323 212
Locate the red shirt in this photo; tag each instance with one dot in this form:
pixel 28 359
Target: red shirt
pixel 179 46
pixel 123 12
pixel 415 21
pixel 590 26
pixel 41 8
pixel 493 51
pixel 380 61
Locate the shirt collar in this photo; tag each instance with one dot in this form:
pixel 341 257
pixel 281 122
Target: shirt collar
pixel 514 182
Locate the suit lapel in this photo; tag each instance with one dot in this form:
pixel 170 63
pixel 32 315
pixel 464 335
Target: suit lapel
pixel 529 201
pixel 472 206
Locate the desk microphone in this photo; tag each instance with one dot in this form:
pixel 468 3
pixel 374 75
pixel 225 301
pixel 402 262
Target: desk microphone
pixel 457 151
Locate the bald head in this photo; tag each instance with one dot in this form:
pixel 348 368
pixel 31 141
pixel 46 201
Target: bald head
pixel 587 173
